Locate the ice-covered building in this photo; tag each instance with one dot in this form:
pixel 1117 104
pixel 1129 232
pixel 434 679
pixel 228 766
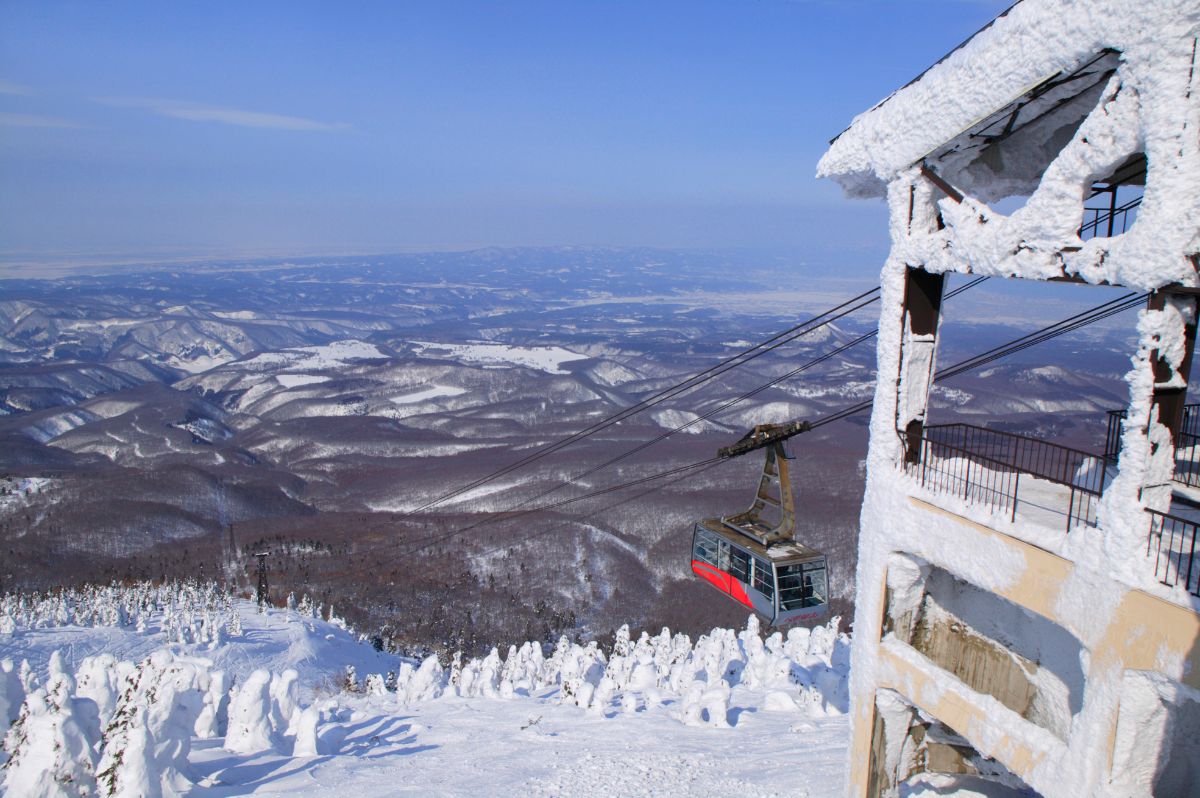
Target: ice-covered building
pixel 1027 611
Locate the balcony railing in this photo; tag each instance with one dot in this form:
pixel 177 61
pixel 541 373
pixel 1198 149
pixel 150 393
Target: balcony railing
pixel 1002 472
pixel 1172 545
pixel 1020 476
pixel 1187 443
pixel 1111 220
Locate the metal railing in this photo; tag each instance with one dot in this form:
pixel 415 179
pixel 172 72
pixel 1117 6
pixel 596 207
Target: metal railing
pixel 985 467
pixel 979 480
pixel 1187 443
pixel 1187 459
pixel 1110 220
pixel 1112 438
pixel 1172 543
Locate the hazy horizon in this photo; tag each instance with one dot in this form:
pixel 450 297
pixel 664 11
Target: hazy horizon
pixel 137 131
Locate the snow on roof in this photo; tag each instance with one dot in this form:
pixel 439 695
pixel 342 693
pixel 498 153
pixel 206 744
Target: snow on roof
pixel 1027 45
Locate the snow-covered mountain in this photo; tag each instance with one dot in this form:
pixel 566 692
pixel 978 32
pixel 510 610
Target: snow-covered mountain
pixel 185 418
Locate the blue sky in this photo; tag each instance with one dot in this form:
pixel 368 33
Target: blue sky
pixel 177 128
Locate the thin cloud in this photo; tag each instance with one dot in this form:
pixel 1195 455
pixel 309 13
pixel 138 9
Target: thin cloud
pixel 8 87
pixel 34 120
pixel 195 112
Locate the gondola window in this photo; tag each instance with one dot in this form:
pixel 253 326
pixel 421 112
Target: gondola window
pixel 802 585
pixel 707 548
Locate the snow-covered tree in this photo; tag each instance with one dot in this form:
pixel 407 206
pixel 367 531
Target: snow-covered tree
pixel 487 684
pixel 96 679
pixel 48 751
pixel 235 625
pixel 213 720
pixel 350 680
pixel 428 681
pixel 307 742
pixel 602 695
pixel 29 681
pixel 285 702
pixel 621 642
pixel 127 767
pixel 12 694
pixel 174 706
pixel 375 685
pixel 250 716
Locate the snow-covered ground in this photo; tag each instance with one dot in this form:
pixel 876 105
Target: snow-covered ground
pixel 17 491
pixel 544 358
pixel 730 713
pixel 432 392
pixel 672 418
pixel 315 358
pixel 298 380
pixel 198 364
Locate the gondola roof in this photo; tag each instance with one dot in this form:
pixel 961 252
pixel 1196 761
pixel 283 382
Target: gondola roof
pixel 783 552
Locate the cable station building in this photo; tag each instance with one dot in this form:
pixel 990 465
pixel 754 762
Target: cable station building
pixel 1027 613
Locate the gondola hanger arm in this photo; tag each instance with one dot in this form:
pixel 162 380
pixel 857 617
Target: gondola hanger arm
pixel 764 435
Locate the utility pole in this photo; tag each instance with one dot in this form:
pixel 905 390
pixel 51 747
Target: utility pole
pixel 262 579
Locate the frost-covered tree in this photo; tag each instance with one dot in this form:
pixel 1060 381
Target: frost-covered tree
pixel 487 683
pixel 12 694
pixel 602 696
pixel 96 679
pixel 14 738
pixel 375 685
pixel 172 713
pixel 213 720
pixel 285 702
pixel 250 716
pixel 428 681
pixel 48 751
pixel 307 742
pixel 468 679
pixel 29 681
pixel 147 740
pixel 621 642
pixel 127 767
pixel 552 672
pixel 350 680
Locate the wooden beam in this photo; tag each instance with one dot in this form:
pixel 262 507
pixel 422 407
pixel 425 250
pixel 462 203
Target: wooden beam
pixel 949 190
pixel 1170 383
pixel 922 308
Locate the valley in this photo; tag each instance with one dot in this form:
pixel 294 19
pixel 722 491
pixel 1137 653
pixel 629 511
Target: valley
pixel 170 423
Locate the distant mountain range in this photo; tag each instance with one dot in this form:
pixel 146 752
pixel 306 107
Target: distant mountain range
pixel 176 419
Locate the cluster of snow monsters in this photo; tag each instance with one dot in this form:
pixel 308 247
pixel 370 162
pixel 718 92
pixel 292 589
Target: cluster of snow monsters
pixel 111 728
pixel 697 678
pixel 190 612
pixel 119 728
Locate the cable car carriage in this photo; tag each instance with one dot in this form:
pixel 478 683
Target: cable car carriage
pixel 753 557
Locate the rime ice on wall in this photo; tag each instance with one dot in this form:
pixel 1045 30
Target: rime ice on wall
pixel 1143 99
pixel 1051 98
pixel 1148 105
